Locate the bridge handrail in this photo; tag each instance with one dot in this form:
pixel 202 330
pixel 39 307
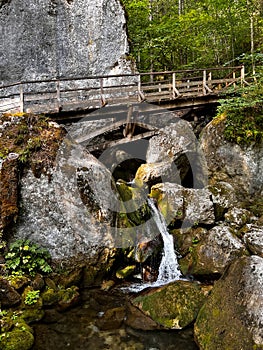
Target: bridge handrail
pixel 168 84
pixel 90 77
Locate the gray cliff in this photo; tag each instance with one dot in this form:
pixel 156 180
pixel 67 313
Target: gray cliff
pixel 61 38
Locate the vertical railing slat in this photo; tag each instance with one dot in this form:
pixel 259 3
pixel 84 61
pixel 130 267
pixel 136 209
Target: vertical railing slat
pixel 21 98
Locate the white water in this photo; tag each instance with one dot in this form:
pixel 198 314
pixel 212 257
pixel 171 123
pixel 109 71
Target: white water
pixel 169 268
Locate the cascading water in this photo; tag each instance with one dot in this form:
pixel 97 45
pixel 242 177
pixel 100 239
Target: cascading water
pixel 169 268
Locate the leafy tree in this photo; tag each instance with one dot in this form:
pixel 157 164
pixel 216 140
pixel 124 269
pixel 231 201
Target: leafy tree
pixel 175 34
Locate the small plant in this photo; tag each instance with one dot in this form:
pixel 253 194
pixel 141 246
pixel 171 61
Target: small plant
pixel 27 257
pixel 32 297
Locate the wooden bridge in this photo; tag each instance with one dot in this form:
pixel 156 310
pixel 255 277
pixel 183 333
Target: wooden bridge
pixel 173 89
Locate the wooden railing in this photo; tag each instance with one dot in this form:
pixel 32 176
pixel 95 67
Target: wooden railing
pixel 92 92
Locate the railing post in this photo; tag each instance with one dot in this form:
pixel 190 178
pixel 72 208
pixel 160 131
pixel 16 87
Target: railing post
pixel 204 82
pixel 140 94
pixel 175 90
pixel 21 98
pixel 58 95
pixel 103 101
pixel 174 84
pixel 234 79
pixel 242 75
pixel 209 84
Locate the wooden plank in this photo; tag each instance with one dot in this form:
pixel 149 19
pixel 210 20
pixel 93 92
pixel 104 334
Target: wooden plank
pixel 157 87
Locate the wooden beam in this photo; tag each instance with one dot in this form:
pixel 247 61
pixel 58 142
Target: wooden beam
pixel 109 144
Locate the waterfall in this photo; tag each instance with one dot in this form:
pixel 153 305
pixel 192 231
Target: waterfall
pixel 169 267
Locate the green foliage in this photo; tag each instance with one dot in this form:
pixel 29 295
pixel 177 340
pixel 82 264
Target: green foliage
pixel 244 114
pixel 32 297
pixel 168 35
pixel 27 257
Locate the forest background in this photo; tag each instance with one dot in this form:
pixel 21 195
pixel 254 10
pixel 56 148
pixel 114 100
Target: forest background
pixel 189 34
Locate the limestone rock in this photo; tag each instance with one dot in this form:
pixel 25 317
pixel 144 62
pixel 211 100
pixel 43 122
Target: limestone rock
pixel 213 253
pixel 191 206
pixel 232 317
pixel 153 173
pixel 241 167
pixel 254 239
pixel 238 217
pixel 185 239
pixel 177 143
pixel 137 319
pixel 173 306
pixel 62 38
pixel 69 212
pixel 173 140
pixel 223 197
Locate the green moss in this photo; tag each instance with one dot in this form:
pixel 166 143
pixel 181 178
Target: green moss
pixel 127 271
pixel 50 297
pixel 134 204
pixel 16 340
pixel 222 320
pixel 173 306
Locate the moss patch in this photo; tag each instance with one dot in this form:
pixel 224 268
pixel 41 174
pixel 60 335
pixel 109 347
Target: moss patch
pixel 27 141
pixel 174 306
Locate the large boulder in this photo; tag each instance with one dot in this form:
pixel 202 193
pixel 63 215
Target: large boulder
pixel 240 166
pixel 177 143
pixel 191 206
pixel 232 316
pixel 173 306
pixel 70 211
pixel 213 253
pixel 153 173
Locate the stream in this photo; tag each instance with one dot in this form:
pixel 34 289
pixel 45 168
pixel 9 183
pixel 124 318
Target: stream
pixel 84 328
pixel 103 320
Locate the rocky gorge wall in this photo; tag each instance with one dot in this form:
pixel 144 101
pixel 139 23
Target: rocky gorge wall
pixel 43 39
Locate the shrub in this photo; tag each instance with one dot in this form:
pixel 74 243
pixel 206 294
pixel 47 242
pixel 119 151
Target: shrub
pixel 244 114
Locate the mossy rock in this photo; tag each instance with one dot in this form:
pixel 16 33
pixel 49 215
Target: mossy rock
pixel 50 297
pixel 17 340
pixel 125 272
pixel 68 298
pixel 231 317
pixel 173 306
pixel 134 201
pixel 33 315
pixel 18 281
pixel 70 277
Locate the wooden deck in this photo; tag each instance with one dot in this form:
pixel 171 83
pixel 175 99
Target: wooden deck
pixel 174 88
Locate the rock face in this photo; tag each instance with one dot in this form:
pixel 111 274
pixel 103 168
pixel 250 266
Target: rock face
pixel 232 317
pixel 62 38
pixel 241 167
